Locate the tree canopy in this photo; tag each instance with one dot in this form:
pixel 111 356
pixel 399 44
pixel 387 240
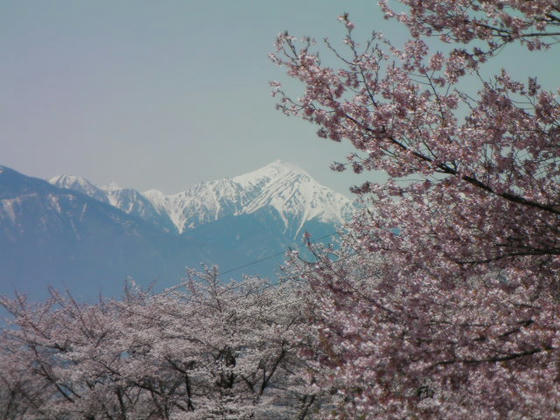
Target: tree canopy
pixel 444 300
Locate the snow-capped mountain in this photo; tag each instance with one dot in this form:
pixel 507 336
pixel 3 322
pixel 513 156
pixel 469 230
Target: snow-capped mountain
pixel 281 187
pixel 285 188
pixel 80 184
pixel 51 236
pixel 126 199
pixel 74 235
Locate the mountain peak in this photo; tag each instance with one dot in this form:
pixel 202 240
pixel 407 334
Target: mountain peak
pixel 283 165
pixel 80 184
pixel 279 186
pixel 63 180
pixel 273 171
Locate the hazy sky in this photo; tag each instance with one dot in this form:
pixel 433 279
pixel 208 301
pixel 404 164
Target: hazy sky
pixel 159 94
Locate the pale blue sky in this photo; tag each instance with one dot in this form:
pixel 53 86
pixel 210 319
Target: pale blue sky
pixel 161 94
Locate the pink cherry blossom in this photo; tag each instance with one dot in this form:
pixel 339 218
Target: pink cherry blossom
pixel 443 299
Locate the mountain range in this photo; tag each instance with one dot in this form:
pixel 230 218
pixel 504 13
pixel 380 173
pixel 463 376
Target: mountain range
pixel 71 234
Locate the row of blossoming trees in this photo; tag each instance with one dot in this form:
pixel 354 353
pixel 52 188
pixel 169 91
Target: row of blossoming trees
pixel 201 350
pixel 443 298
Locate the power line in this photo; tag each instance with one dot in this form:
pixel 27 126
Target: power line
pixel 269 257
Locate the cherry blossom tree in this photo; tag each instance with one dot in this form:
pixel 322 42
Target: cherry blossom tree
pixel 232 346
pixel 203 350
pixel 58 361
pixel 443 301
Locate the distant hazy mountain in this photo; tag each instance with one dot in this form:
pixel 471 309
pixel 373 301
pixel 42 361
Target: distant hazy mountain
pixel 70 233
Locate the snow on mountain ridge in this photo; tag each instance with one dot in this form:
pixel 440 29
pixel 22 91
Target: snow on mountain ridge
pixel 126 199
pixel 291 191
pixel 199 204
pixel 281 186
pixel 295 194
pixel 80 184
